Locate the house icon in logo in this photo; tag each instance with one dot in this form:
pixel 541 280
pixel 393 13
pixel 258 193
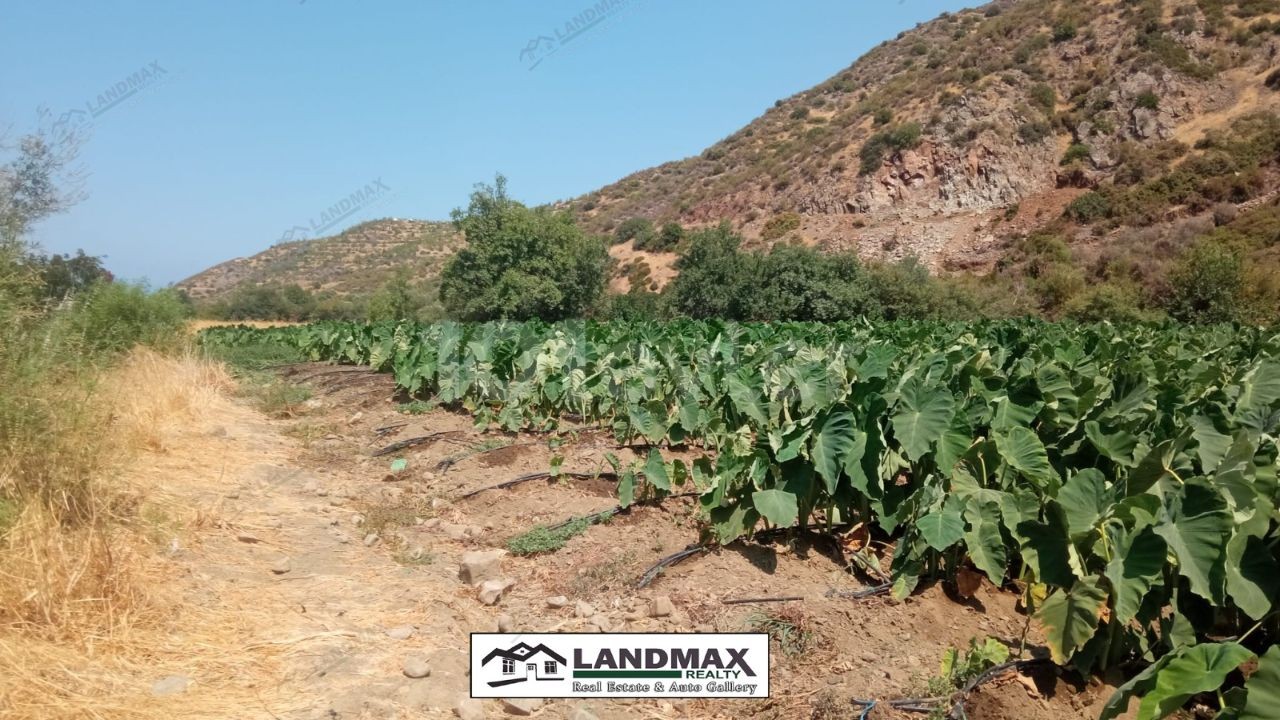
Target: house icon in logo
pixel 523 662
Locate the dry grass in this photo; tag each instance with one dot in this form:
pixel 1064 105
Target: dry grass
pixel 86 622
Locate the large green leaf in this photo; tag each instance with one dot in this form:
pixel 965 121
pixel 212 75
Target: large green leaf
pixel 777 506
pixel 921 416
pixel 1197 669
pixel 1022 450
pixel 655 471
pixel 1084 498
pixel 941 527
pixel 1263 688
pixel 1136 564
pixel 1253 579
pixel 1117 445
pixel 833 440
pixel 1197 531
pixel 1070 617
pixel 986 550
pixel 1258 394
pixel 1211 445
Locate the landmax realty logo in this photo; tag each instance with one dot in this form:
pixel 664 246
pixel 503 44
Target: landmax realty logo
pixel 367 196
pixel 620 665
pixel 77 119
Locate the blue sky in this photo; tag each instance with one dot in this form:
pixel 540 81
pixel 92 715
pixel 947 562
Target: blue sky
pixel 256 116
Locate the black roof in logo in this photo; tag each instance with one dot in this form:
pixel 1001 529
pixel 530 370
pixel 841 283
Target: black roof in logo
pixel 523 651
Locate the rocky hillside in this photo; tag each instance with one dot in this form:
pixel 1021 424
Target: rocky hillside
pixel 355 262
pixel 972 128
pixel 1111 124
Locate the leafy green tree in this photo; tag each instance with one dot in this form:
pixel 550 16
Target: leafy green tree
pixel 1206 284
pixel 711 283
pixel 66 274
pixel 395 300
pixel 800 283
pixel 520 263
pixel 638 229
pixel 668 239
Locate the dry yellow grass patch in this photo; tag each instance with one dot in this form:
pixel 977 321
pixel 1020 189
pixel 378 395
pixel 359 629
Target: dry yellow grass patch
pixel 90 614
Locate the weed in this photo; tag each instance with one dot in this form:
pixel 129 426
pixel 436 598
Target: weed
pixel 617 571
pixel 787 626
pixel 416 407
pixel 542 539
pixel 281 399
pixel 403 512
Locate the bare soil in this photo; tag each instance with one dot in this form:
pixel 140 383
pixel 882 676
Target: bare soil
pixel 371 550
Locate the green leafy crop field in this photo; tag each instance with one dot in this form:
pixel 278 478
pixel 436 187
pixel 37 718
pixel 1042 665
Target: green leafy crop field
pixel 1122 478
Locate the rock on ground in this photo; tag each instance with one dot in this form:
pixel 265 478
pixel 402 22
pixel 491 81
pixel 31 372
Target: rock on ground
pixel 478 566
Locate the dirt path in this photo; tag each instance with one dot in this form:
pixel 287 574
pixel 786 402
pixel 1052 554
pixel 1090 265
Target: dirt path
pixel 342 577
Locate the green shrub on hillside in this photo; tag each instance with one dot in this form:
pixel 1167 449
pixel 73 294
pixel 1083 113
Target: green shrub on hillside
pixel 779 225
pixel 896 139
pixel 638 229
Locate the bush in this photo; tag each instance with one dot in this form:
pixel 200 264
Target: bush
pixel 1148 100
pixel 1064 30
pixel 1206 284
pixel 1043 96
pixel 897 138
pixel 1089 207
pixel 1113 302
pixel 779 225
pixel 114 317
pixel 1034 132
pixel 1077 151
pixel 638 229
pixel 882 116
pixel 520 263
pixel 667 239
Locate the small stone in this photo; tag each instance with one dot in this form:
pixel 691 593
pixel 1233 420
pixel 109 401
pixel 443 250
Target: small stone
pixel 506 623
pixel 357 519
pixel 454 532
pixel 416 667
pixel 521 706
pixel 473 531
pixel 233 495
pixel 371 539
pixel 282 566
pixel 431 523
pixel 417 552
pixel 661 606
pixel 355 418
pixel 217 431
pixel 557 601
pixel 247 537
pixel 581 713
pixel 468 708
pixel 171 685
pixel 598 624
pixel 480 565
pixel 402 632
pixel 491 591
pixel 583 610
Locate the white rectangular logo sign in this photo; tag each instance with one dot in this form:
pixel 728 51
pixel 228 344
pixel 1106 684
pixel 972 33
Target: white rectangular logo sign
pixel 620 665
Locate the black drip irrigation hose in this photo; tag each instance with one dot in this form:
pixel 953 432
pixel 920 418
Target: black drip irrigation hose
pixel 353 371
pixel 412 442
pixel 673 559
pixel 957 699
pixel 545 475
pixel 599 517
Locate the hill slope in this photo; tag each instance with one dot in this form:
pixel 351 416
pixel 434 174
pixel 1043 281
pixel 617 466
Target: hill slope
pixel 951 143
pixel 355 262
pixel 968 128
